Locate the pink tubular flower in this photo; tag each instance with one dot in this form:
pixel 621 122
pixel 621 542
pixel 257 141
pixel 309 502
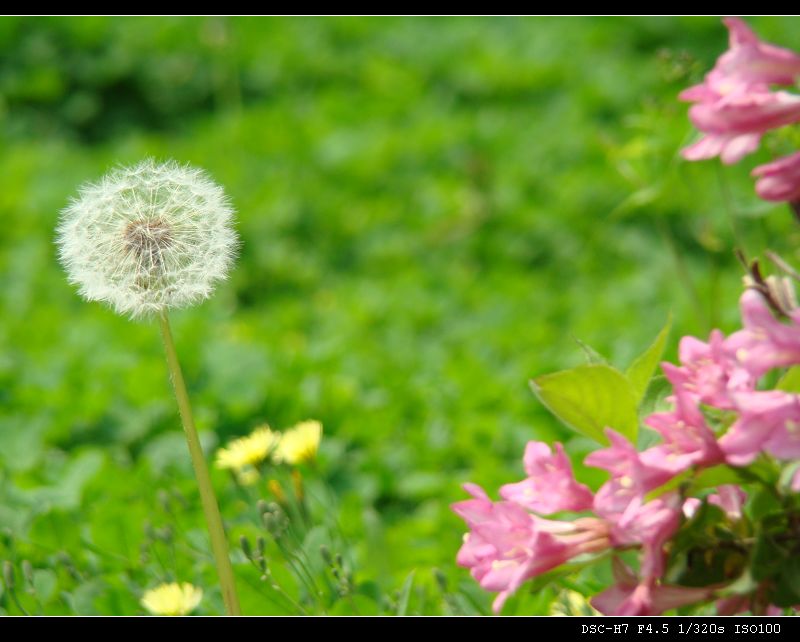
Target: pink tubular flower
pixel 550 486
pixel 629 596
pixel 620 501
pixel 708 371
pixel 735 123
pixel 650 524
pixel 748 63
pixel 730 498
pixel 690 506
pixel 768 421
pixel 754 61
pixel 688 441
pixel 780 179
pixel 735 106
pixel 630 479
pixel 733 604
pixel 731 148
pixel 507 545
pixel 764 343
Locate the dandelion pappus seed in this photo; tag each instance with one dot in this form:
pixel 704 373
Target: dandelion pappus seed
pixel 148 238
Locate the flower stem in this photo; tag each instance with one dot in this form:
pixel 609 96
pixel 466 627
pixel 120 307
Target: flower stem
pixel 216 531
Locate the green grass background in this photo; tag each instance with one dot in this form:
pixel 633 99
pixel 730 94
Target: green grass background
pixel 431 210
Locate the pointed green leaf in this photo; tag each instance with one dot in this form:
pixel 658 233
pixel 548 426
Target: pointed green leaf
pixel 592 355
pixel 644 366
pixel 589 398
pixel 405 594
pixel 790 381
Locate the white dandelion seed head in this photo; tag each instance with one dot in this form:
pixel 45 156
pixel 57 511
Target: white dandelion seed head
pixel 148 238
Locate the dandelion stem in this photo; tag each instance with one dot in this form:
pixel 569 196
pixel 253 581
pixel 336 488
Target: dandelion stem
pixel 216 531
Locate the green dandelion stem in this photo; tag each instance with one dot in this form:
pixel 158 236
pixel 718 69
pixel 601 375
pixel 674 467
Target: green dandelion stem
pixel 219 544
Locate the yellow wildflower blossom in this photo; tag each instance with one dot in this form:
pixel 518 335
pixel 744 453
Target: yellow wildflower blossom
pixel 299 444
pixel 245 452
pixel 172 599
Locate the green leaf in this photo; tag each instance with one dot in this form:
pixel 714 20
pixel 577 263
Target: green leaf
pixel 768 558
pixel 763 503
pixel 787 590
pixel 589 398
pixel 312 542
pixel 45 582
pixel 405 594
pixel 654 399
pixel 356 604
pixel 699 556
pixel 790 381
pixel 592 355
pixel 558 574
pixel 641 371
pixel 714 477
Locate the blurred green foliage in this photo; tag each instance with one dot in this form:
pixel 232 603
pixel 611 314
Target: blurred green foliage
pixel 432 212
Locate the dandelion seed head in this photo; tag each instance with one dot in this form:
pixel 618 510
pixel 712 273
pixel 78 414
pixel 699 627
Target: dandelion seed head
pixel 148 238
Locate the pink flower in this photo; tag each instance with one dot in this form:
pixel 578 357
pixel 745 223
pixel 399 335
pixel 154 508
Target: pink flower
pixel 764 343
pixel 768 421
pixel 551 486
pixel 620 501
pixel 630 479
pixel 733 604
pixel 780 179
pixel 507 545
pixel 716 85
pixel 650 524
pixel 735 123
pixel 731 148
pixel 708 371
pixel 690 506
pixel 747 64
pixel 735 106
pixel 753 61
pixel 629 596
pixel 688 441
pixel 730 498
pixel 795 485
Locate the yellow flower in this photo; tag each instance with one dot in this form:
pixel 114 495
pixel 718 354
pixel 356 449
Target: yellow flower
pixel 299 444
pixel 172 599
pixel 245 452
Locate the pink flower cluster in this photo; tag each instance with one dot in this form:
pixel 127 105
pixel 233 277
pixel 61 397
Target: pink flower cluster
pixel 735 106
pixel 516 539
